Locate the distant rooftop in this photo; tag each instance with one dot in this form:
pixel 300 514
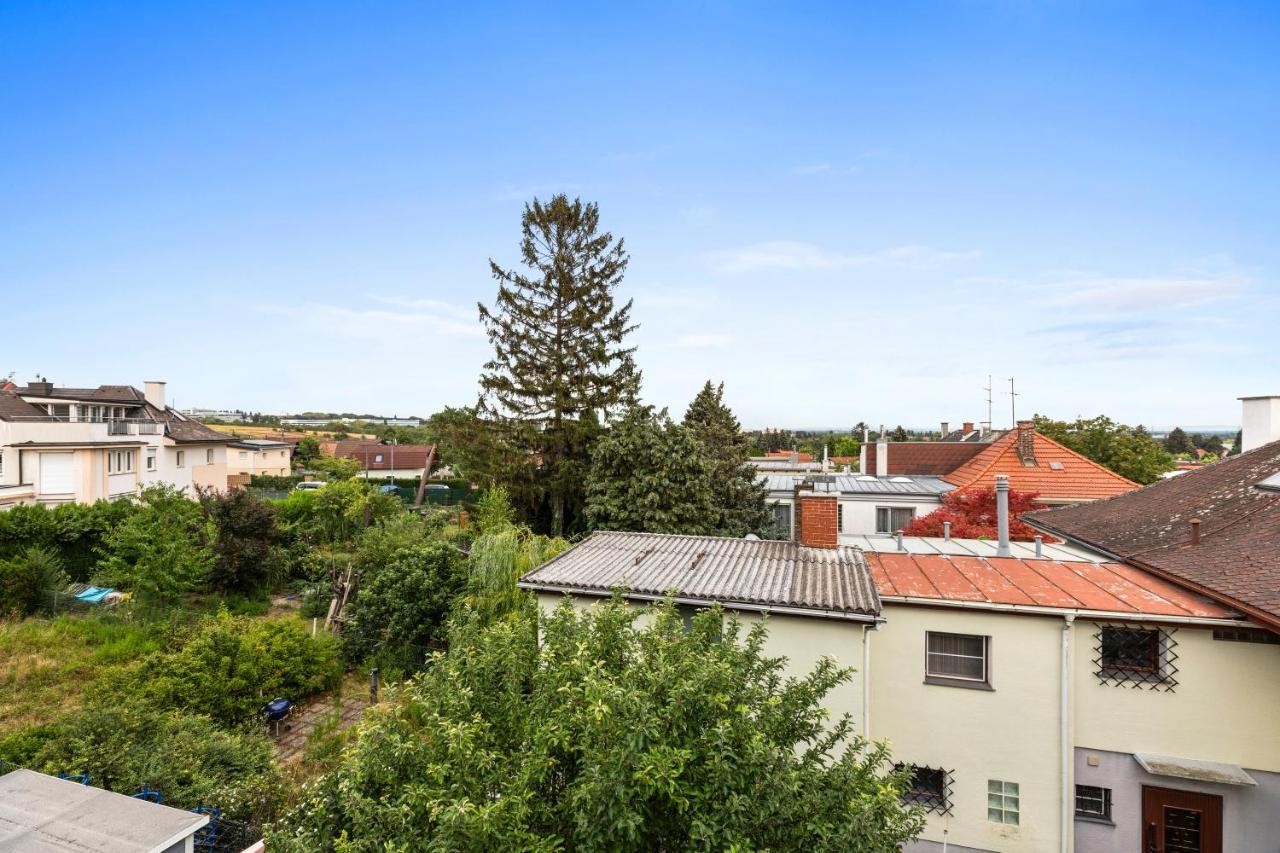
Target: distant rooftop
pixel 884 543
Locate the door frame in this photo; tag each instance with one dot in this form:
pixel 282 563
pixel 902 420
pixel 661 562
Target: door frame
pixel 1155 798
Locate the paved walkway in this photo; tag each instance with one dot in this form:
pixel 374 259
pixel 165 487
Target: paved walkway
pixel 292 741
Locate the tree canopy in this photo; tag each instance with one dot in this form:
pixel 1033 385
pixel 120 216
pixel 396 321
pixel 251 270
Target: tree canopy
pixel 737 493
pixel 560 359
pixel 972 513
pixel 605 737
pixel 1129 451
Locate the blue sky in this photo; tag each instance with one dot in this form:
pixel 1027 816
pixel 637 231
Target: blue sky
pixel 843 213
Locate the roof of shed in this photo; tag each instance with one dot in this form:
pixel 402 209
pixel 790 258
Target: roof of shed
pixel 1072 585
pixel 763 574
pixel 40 813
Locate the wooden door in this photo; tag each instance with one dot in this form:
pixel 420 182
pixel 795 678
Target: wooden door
pixel 1180 821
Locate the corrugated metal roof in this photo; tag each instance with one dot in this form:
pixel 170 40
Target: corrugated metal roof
pixel 761 574
pixel 895 485
pixel 884 543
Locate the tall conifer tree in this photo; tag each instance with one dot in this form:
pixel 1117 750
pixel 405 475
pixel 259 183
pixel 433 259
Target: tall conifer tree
pixel 738 493
pixel 560 362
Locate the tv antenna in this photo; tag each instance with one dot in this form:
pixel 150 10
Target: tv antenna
pixel 1013 404
pixel 988 390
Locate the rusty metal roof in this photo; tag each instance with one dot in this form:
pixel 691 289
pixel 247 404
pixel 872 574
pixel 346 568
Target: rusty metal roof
pixel 1006 581
pixel 747 573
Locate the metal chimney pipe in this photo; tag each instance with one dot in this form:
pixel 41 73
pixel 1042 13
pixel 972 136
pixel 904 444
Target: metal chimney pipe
pixel 899 537
pixel 946 531
pixel 1195 531
pixel 1002 516
pixel 1039 547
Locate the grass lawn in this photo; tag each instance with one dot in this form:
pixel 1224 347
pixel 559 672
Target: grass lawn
pixel 48 665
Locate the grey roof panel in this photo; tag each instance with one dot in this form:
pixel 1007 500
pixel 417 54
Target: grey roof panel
pixel 759 573
pixel 897 484
pixel 1060 551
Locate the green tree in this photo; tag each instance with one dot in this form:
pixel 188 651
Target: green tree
pixel 159 552
pixel 335 468
pixel 399 612
pixel 1235 443
pixel 246 542
pixel 494 512
pixel 592 734
pixel 1177 442
pixel 737 492
pixel 307 450
pixel 900 434
pixel 29 580
pixel 558 338
pixel 1129 451
pixel 651 475
pixel 846 445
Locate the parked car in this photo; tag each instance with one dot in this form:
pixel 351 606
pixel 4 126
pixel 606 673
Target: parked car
pixel 310 485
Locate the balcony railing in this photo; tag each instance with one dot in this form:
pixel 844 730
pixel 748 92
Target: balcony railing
pixel 115 426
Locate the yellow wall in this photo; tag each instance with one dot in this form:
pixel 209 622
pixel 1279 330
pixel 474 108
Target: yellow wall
pixel 802 640
pixel 1224 707
pixel 1010 733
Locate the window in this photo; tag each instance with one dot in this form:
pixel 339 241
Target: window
pixel 377 457
pixel 151 459
pixel 782 517
pixel 930 788
pixel 1136 656
pixel 840 518
pixel 1093 803
pixel 182 458
pixel 1 463
pixel 208 456
pixel 1002 801
pixel 119 461
pixel 891 519
pixel 956 659
pixel 1246 635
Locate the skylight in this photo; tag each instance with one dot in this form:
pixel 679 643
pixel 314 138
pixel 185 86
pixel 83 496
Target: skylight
pixel 1270 484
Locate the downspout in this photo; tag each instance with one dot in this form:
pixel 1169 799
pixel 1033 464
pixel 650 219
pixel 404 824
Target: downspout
pixel 866 680
pixel 1064 714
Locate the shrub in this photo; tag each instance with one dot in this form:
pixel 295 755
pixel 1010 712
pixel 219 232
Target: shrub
pixel 972 513
pixel 400 611
pixel 158 552
pixel 247 541
pixel 228 667
pixel 29 580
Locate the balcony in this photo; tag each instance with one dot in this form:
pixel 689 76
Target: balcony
pixel 60 428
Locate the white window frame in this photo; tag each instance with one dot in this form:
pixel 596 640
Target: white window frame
pixel 180 459
pixel 151 459
pixel 949 678
pixel 890 510
pixel 120 461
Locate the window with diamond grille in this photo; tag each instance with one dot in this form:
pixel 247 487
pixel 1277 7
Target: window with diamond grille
pixel 1136 656
pixel 1093 802
pixel 930 788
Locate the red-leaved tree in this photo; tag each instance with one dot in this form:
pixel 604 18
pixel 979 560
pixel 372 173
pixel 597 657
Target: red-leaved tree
pixel 972 513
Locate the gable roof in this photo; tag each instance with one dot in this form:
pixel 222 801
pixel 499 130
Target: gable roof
pixel 367 453
pixel 1017 584
pixel 1237 559
pixel 14 407
pixel 1060 474
pixel 104 393
pixel 756 574
pixel 932 458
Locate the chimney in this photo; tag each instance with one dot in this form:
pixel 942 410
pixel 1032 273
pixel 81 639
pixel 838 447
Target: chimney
pixel 968 426
pixel 817 516
pixel 882 457
pixel 946 428
pixel 1195 531
pixel 154 393
pixel 1027 443
pixel 1002 516
pixel 862 458
pixel 43 388
pixel 1260 421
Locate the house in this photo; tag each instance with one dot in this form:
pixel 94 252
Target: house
pixel 383 460
pixel 40 813
pixel 64 445
pixel 1050 700
pixel 259 456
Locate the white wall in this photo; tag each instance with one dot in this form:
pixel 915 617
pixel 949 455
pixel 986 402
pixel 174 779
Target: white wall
pixel 859 511
pixel 1260 421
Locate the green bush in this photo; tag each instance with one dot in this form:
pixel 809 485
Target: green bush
pixel 29 581
pixel 274 483
pixel 159 552
pixel 74 531
pixel 227 667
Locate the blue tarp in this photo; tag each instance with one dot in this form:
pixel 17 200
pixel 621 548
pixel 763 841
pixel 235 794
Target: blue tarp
pixel 94 595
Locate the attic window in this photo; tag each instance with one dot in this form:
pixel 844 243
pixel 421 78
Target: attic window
pixel 1270 484
pixel 1057 466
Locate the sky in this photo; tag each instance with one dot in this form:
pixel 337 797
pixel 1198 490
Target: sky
pixel 844 212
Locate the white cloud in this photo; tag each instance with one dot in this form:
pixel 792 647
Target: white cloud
pixel 794 255
pixel 1142 294
pixel 434 306
pixel 374 322
pixel 811 169
pixel 704 340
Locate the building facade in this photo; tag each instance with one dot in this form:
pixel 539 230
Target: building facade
pixel 259 456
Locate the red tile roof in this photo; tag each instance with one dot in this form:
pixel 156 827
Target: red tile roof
pixel 1237 559
pixel 1077 479
pixel 1105 587
pixel 923 458
pixel 366 453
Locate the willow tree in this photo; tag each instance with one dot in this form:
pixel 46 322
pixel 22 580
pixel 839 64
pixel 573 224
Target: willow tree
pixel 560 362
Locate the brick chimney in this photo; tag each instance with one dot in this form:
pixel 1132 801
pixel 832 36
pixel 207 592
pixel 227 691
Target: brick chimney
pixel 1027 443
pixel 817 516
pixel 967 426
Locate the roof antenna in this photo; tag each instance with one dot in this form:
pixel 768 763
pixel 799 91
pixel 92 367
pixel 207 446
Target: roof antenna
pixel 1013 405
pixel 988 390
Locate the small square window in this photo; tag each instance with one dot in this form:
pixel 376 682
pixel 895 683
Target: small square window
pixel 1002 802
pixel 1093 802
pixel 929 788
pixel 1136 656
pixel 960 659
pixel 377 457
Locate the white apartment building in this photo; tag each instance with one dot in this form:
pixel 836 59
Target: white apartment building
pixel 78 445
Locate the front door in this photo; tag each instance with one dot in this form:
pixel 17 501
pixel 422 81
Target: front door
pixel 1180 821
